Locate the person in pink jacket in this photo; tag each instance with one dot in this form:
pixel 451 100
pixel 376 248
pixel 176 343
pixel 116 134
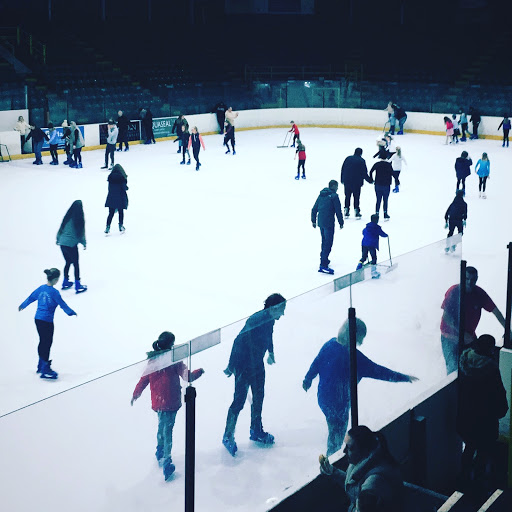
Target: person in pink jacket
pixel 165 397
pixel 196 141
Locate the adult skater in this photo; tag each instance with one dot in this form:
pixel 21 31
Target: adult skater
pixel 178 130
pixel 396 162
pixel 455 217
pixel 196 141
pixel 165 389
pixel 54 138
pixel 76 143
pixel 301 151
pixel 383 175
pixel 48 298
pixel 112 133
pixel 505 123
pixel 229 137
pixel 296 133
pixel 148 119
pixel 400 115
pixel 66 137
pixel 246 363
pixel 38 137
pixel 370 244
pixel 117 198
pixel 463 120
pixel 326 207
pixel 353 175
pixel 122 125
pixel 476 299
pixel 462 169
pixel 23 128
pixel 184 139
pixel 70 234
pixel 475 121
pixel 482 402
pixel 483 169
pixel 373 481
pixel 332 365
pixel 220 112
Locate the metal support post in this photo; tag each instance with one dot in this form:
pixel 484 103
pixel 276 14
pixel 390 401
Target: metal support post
pixel 190 447
pixel 353 366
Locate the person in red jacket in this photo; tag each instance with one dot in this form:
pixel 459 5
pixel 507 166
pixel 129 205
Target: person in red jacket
pixel 165 397
pixel 296 133
pixel 301 151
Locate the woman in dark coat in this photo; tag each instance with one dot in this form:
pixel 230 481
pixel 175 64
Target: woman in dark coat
pixel 117 199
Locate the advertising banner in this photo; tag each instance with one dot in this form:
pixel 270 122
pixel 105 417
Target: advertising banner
pixel 60 131
pixel 133 132
pixel 162 126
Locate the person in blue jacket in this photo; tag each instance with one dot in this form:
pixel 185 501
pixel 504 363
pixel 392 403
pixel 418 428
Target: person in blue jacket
pixel 48 298
pixel 54 144
pixel 246 363
pixel 370 243
pixel 332 366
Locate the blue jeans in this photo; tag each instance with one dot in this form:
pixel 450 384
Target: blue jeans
pixel 327 240
pixel 166 421
pixel 451 354
pixel 401 123
pixel 38 146
pixel 382 193
pixel 392 123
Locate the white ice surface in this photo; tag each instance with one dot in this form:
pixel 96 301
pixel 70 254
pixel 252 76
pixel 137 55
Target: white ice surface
pixel 202 250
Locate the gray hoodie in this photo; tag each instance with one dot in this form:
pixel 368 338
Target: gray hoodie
pixel 112 135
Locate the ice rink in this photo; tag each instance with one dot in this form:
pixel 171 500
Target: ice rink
pixel 203 250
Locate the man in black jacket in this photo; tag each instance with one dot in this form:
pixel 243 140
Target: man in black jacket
pixel 326 207
pixel 38 136
pixel 122 126
pixel 475 120
pixel 353 175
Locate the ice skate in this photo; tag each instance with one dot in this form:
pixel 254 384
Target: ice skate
pixel 359 265
pixel 104 167
pixel 79 166
pixel 480 194
pixel 39 365
pixel 47 372
pixel 234 152
pixel 484 196
pixel 121 229
pixel 303 176
pixel 182 163
pixel 386 216
pixel 228 151
pixel 261 437
pixel 80 288
pixel 401 132
pixel 169 469
pixel 107 230
pixel 326 270
pixel 229 443
pixel 346 212
pixel 297 177
pixel 358 214
pixel 188 163
pixel 67 284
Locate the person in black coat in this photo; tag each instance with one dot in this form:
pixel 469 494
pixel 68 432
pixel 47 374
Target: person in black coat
pixel 148 125
pixel 122 126
pixel 220 111
pixel 455 216
pixel 353 175
pixel 482 402
pixel 475 120
pixel 38 137
pixel 383 177
pixel 462 169
pixel 117 199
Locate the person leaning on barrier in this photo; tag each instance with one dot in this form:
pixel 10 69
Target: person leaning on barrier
pixel 372 480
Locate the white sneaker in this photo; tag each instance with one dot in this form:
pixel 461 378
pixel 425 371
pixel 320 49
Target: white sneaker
pixel 484 196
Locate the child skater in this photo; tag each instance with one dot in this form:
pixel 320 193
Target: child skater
pixel 117 198
pixel 296 133
pixel 506 129
pixel 455 217
pixel 229 137
pixel 184 139
pixel 456 130
pixel 301 151
pixel 48 298
pixel 196 141
pixel 370 243
pixel 462 169
pixel 396 161
pixel 70 234
pixel 165 389
pixel 449 129
pixel 483 169
pixel 54 144
pixel 463 121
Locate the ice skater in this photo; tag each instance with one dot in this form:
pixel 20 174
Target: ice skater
pixel 296 133
pixel 184 139
pixel 66 137
pixel 76 143
pixel 455 217
pixel 332 365
pixel 229 136
pixel 48 298
pixel 117 198
pixel 301 151
pixel 326 208
pixel 353 175
pixel 505 123
pixel 475 121
pixel 196 141
pixel 70 234
pixel 449 130
pixel 38 137
pixel 456 129
pixel 462 169
pixel 176 128
pixel 165 398
pixel 110 148
pixel 54 143
pixel 463 120
pixel 383 175
pixel 396 162
pixel 370 243
pixel 483 169
pixel 246 364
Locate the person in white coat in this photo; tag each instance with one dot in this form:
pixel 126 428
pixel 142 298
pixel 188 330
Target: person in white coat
pixel 23 128
pixel 397 159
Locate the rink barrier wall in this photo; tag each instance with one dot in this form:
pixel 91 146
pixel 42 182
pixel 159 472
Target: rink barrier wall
pixel 348 118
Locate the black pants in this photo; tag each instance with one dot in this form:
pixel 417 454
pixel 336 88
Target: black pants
pixel 67 149
pixel 373 254
pixel 396 174
pixel 302 163
pixel 45 331
pixel 230 136
pixel 463 181
pixel 452 224
pixel 77 155
pixel 464 127
pixel 195 152
pixel 327 241
pixel 505 136
pixel 109 150
pixel 350 190
pixel 23 144
pixel 221 118
pixel 71 256
pixel 123 137
pixel 53 152
pixel 111 212
pixel 244 381
pixel 295 137
pixel 481 183
pixel 185 150
pixel 475 130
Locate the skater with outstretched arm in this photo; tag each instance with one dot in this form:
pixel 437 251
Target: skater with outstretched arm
pixel 48 298
pixel 196 141
pixel 332 366
pixel 246 364
pixel 165 389
pixel 117 198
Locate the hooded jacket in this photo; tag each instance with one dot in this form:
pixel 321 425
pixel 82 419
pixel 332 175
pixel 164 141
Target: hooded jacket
pixel 462 167
pixel 457 211
pixel 326 207
pixel 482 398
pixel 371 234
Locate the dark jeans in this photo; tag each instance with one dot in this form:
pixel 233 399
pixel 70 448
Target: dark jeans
pixel 481 183
pixel 382 193
pixel 505 137
pixel 401 123
pixel 230 136
pixel 244 381
pixel 109 150
pixel 195 152
pixel 373 254
pixel 327 240
pixel 352 191
pixel 45 331
pixel 38 146
pixel 464 128
pixel 475 130
pixel 337 427
pixel 450 353
pixel 53 152
pixel 221 118
pixel 452 224
pixel 122 137
pixel 111 212
pixel 67 149
pixel 77 155
pixel 295 137
pixel 463 181
pixel 302 163
pixel 71 256
pixel 185 150
pixel 396 174
pixel 23 137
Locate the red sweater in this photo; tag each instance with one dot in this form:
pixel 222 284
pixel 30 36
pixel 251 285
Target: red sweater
pixel 295 129
pixel 165 386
